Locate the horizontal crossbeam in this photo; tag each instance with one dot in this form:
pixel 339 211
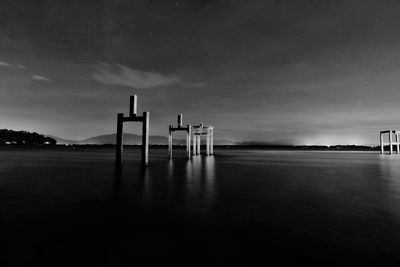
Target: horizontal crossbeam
pixel 173 129
pixel 133 119
pixel 393 143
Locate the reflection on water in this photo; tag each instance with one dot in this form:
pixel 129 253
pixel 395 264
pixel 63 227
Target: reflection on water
pixel 117 184
pixel 170 168
pixel 390 168
pixel 390 176
pixel 201 178
pixel 194 183
pixel 345 200
pixel 209 178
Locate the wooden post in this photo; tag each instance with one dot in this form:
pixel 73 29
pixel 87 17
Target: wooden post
pixel 212 142
pixel 179 120
pixel 132 106
pixel 120 125
pixel 381 142
pixel 390 142
pixel 145 138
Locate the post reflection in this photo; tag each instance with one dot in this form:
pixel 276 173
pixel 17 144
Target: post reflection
pixel 170 170
pixel 200 175
pixel 127 184
pixel 145 182
pixel 210 186
pixel 390 174
pixel 190 185
pixel 117 182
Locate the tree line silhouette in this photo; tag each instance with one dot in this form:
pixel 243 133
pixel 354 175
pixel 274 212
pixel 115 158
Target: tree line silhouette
pixel 24 138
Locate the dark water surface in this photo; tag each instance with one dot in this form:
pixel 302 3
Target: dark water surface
pixel 72 207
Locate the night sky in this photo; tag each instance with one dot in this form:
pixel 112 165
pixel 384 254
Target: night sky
pixel 293 72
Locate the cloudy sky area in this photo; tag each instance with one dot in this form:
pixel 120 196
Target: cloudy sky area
pixel 288 71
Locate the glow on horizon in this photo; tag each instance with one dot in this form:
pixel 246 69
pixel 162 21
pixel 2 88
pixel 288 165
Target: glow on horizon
pixel 330 140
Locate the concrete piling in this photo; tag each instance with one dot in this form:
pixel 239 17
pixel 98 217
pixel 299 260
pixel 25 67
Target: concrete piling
pixel 119 142
pixel 179 120
pixel 391 143
pixel 212 141
pixel 145 138
pixel 132 106
pixel 132 117
pixel 198 144
pixel 187 129
pixel 201 130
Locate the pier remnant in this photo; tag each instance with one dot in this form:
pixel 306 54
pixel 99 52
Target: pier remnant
pixel 390 143
pixel 187 129
pixel 133 117
pixel 200 130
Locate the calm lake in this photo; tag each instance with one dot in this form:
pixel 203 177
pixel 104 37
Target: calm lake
pixel 73 207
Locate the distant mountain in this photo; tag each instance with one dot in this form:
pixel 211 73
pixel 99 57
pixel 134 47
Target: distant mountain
pixel 282 142
pixel 130 139
pixel 63 141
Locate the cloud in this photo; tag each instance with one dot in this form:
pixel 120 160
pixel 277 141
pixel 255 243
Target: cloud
pixel 40 78
pixel 121 75
pixel 18 66
pixel 5 64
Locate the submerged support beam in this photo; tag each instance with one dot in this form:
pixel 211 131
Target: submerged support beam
pixel 120 125
pixel 381 142
pixel 397 142
pixel 390 143
pixel 145 138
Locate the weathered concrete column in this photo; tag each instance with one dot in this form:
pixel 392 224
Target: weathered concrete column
pixel 145 138
pixel 390 142
pixel 188 141
pixel 397 142
pixel 187 144
pixel 179 120
pixel 120 125
pixel 212 142
pixel 132 106
pixel 194 145
pixel 198 144
pixel 208 143
pixel 144 120
pixel 170 142
pixel 381 142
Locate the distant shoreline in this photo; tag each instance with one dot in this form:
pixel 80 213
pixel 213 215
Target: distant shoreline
pixel 233 147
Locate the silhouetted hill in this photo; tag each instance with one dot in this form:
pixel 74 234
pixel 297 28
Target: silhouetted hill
pixel 24 138
pixel 130 139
